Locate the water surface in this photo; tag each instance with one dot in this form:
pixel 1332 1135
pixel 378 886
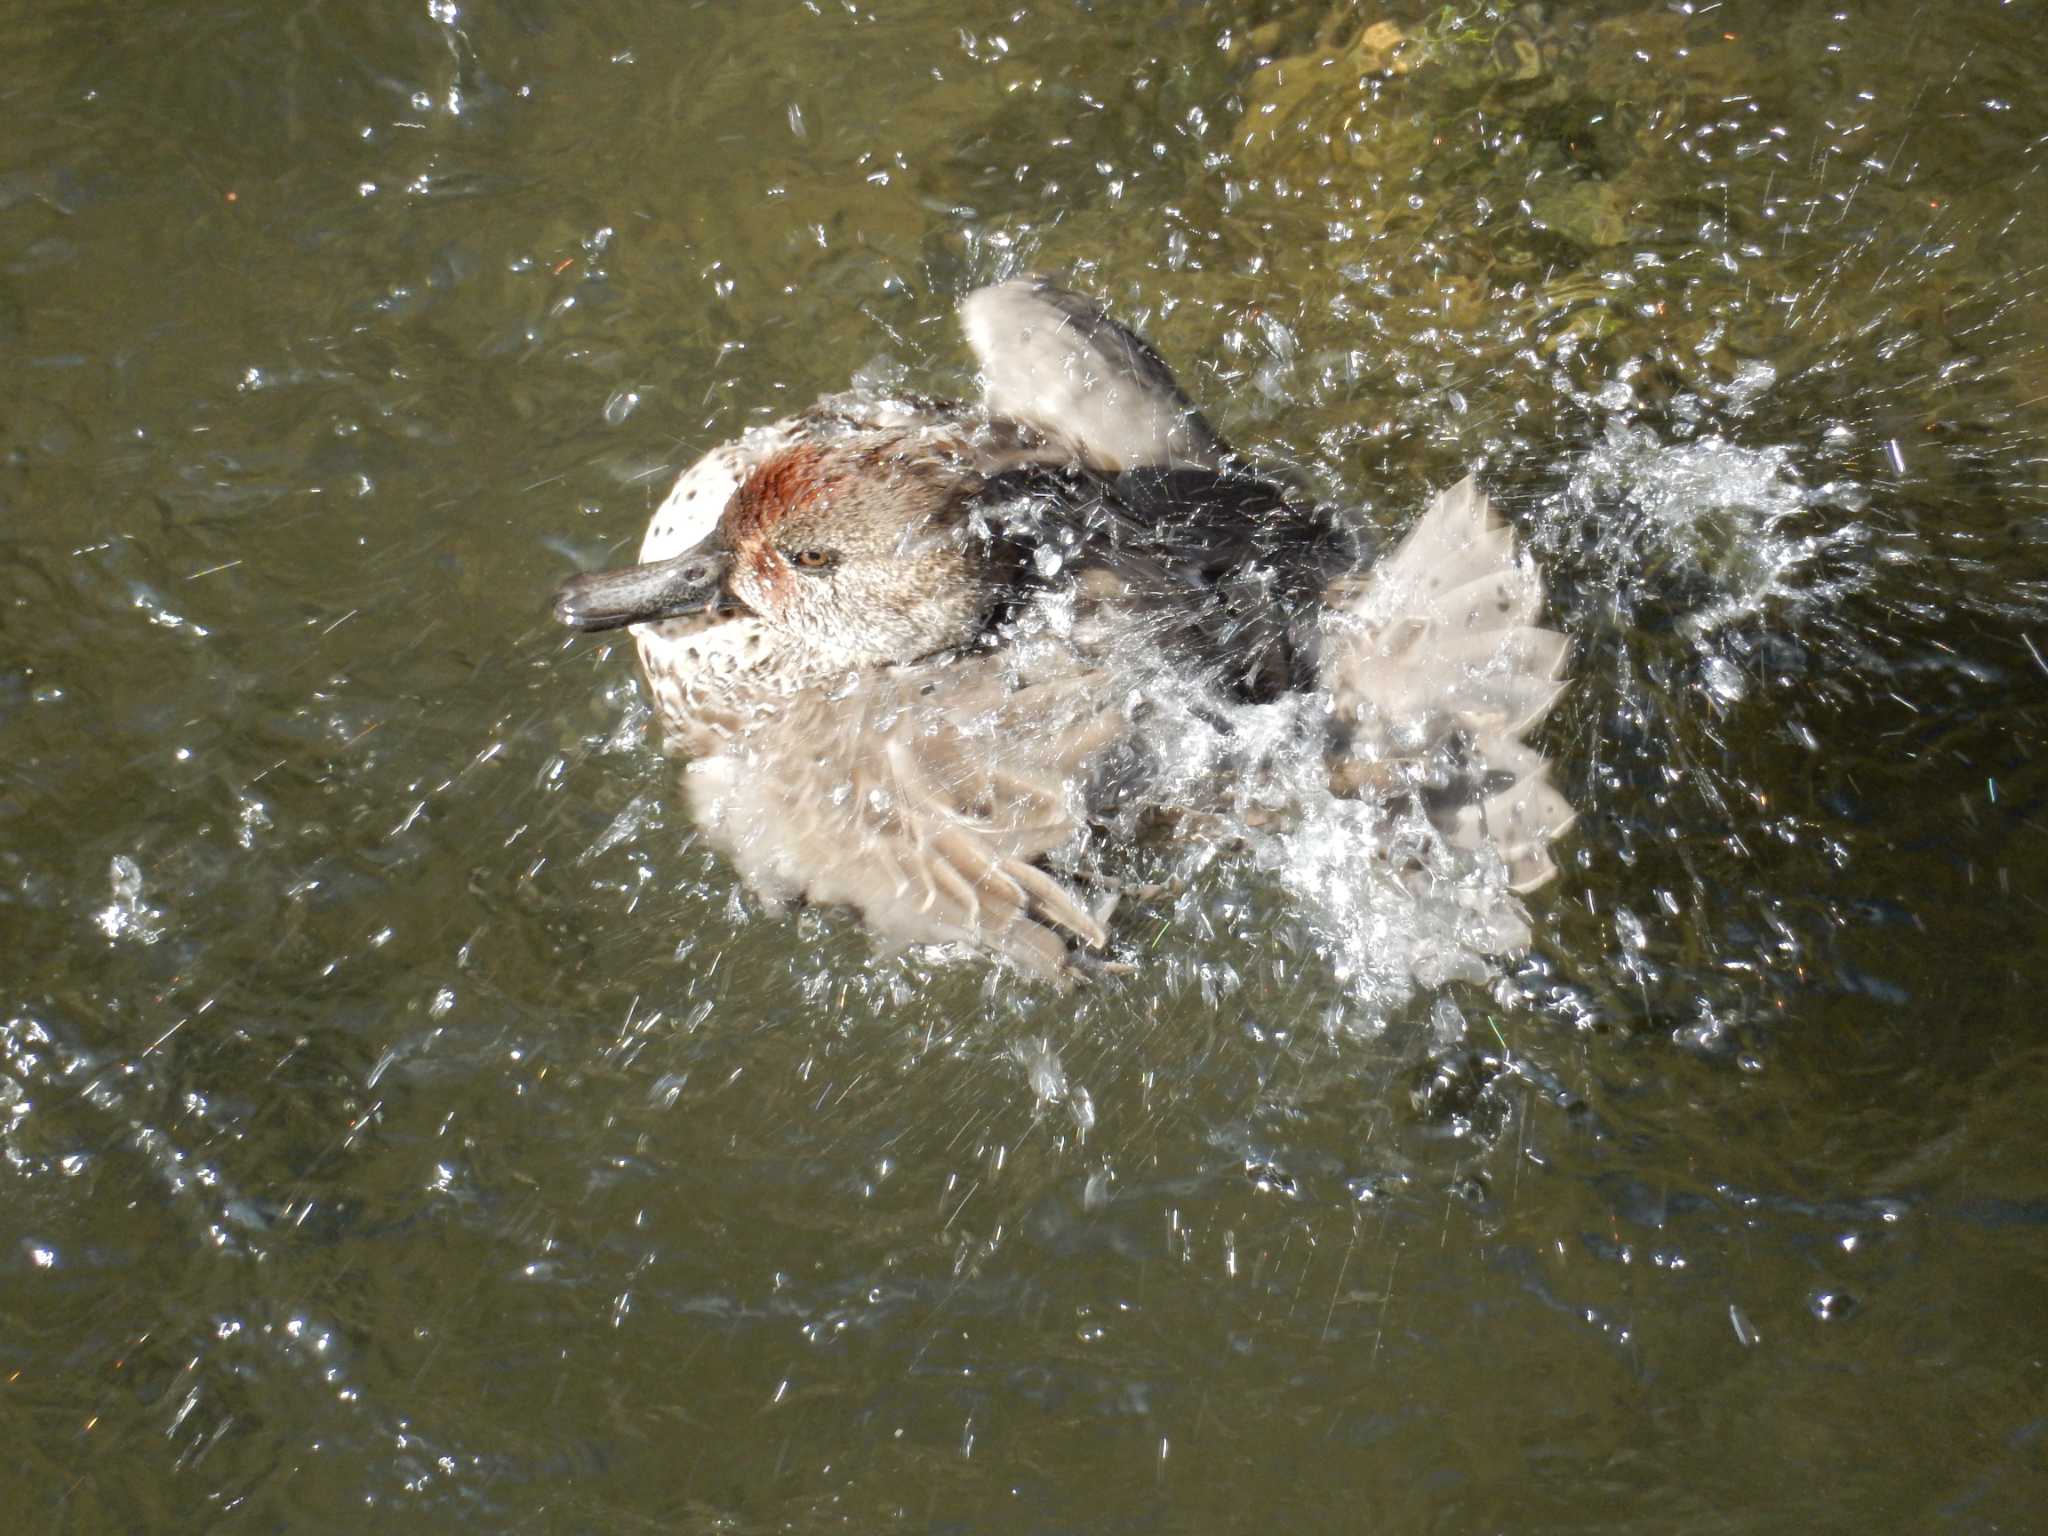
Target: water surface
pixel 405 1118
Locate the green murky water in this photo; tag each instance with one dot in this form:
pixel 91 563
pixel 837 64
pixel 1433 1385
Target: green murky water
pixel 406 1123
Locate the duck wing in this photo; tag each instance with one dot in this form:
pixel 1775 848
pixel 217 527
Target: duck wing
pixel 1139 489
pixel 1438 671
pixel 1226 569
pixel 1094 388
pixel 925 799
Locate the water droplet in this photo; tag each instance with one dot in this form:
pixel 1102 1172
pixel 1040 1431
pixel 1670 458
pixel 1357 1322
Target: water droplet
pixel 1832 1306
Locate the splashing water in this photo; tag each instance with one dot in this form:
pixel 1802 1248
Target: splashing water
pixel 1727 531
pixel 1050 1085
pixel 1712 532
pixel 128 915
pixel 1384 902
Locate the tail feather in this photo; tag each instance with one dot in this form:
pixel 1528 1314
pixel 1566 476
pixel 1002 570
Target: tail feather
pixel 1434 661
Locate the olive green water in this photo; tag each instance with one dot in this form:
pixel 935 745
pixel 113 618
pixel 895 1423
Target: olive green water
pixel 408 1126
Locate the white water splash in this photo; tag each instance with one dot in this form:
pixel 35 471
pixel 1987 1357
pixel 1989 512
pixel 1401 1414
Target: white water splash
pixel 641 814
pixel 1733 520
pixel 128 915
pixel 1050 1085
pixel 1387 903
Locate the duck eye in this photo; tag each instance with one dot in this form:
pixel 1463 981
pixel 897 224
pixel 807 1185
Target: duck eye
pixel 812 559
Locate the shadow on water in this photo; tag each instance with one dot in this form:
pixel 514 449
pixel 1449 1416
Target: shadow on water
pixel 402 1113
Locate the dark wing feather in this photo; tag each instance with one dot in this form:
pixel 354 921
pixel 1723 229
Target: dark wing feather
pixel 1229 566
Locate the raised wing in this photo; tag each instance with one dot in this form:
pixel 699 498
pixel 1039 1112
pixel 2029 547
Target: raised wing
pixel 1055 362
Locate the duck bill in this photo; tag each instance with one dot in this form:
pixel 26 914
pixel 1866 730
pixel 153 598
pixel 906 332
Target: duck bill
pixel 641 594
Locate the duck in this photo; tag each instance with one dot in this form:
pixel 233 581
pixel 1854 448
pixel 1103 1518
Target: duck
pixel 920 656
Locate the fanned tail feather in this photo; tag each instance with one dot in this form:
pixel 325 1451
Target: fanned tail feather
pixel 1437 671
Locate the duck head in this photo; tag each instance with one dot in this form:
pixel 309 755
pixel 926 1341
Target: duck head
pixel 844 554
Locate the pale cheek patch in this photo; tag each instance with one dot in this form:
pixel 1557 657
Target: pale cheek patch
pixel 693 505
pixel 695 502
